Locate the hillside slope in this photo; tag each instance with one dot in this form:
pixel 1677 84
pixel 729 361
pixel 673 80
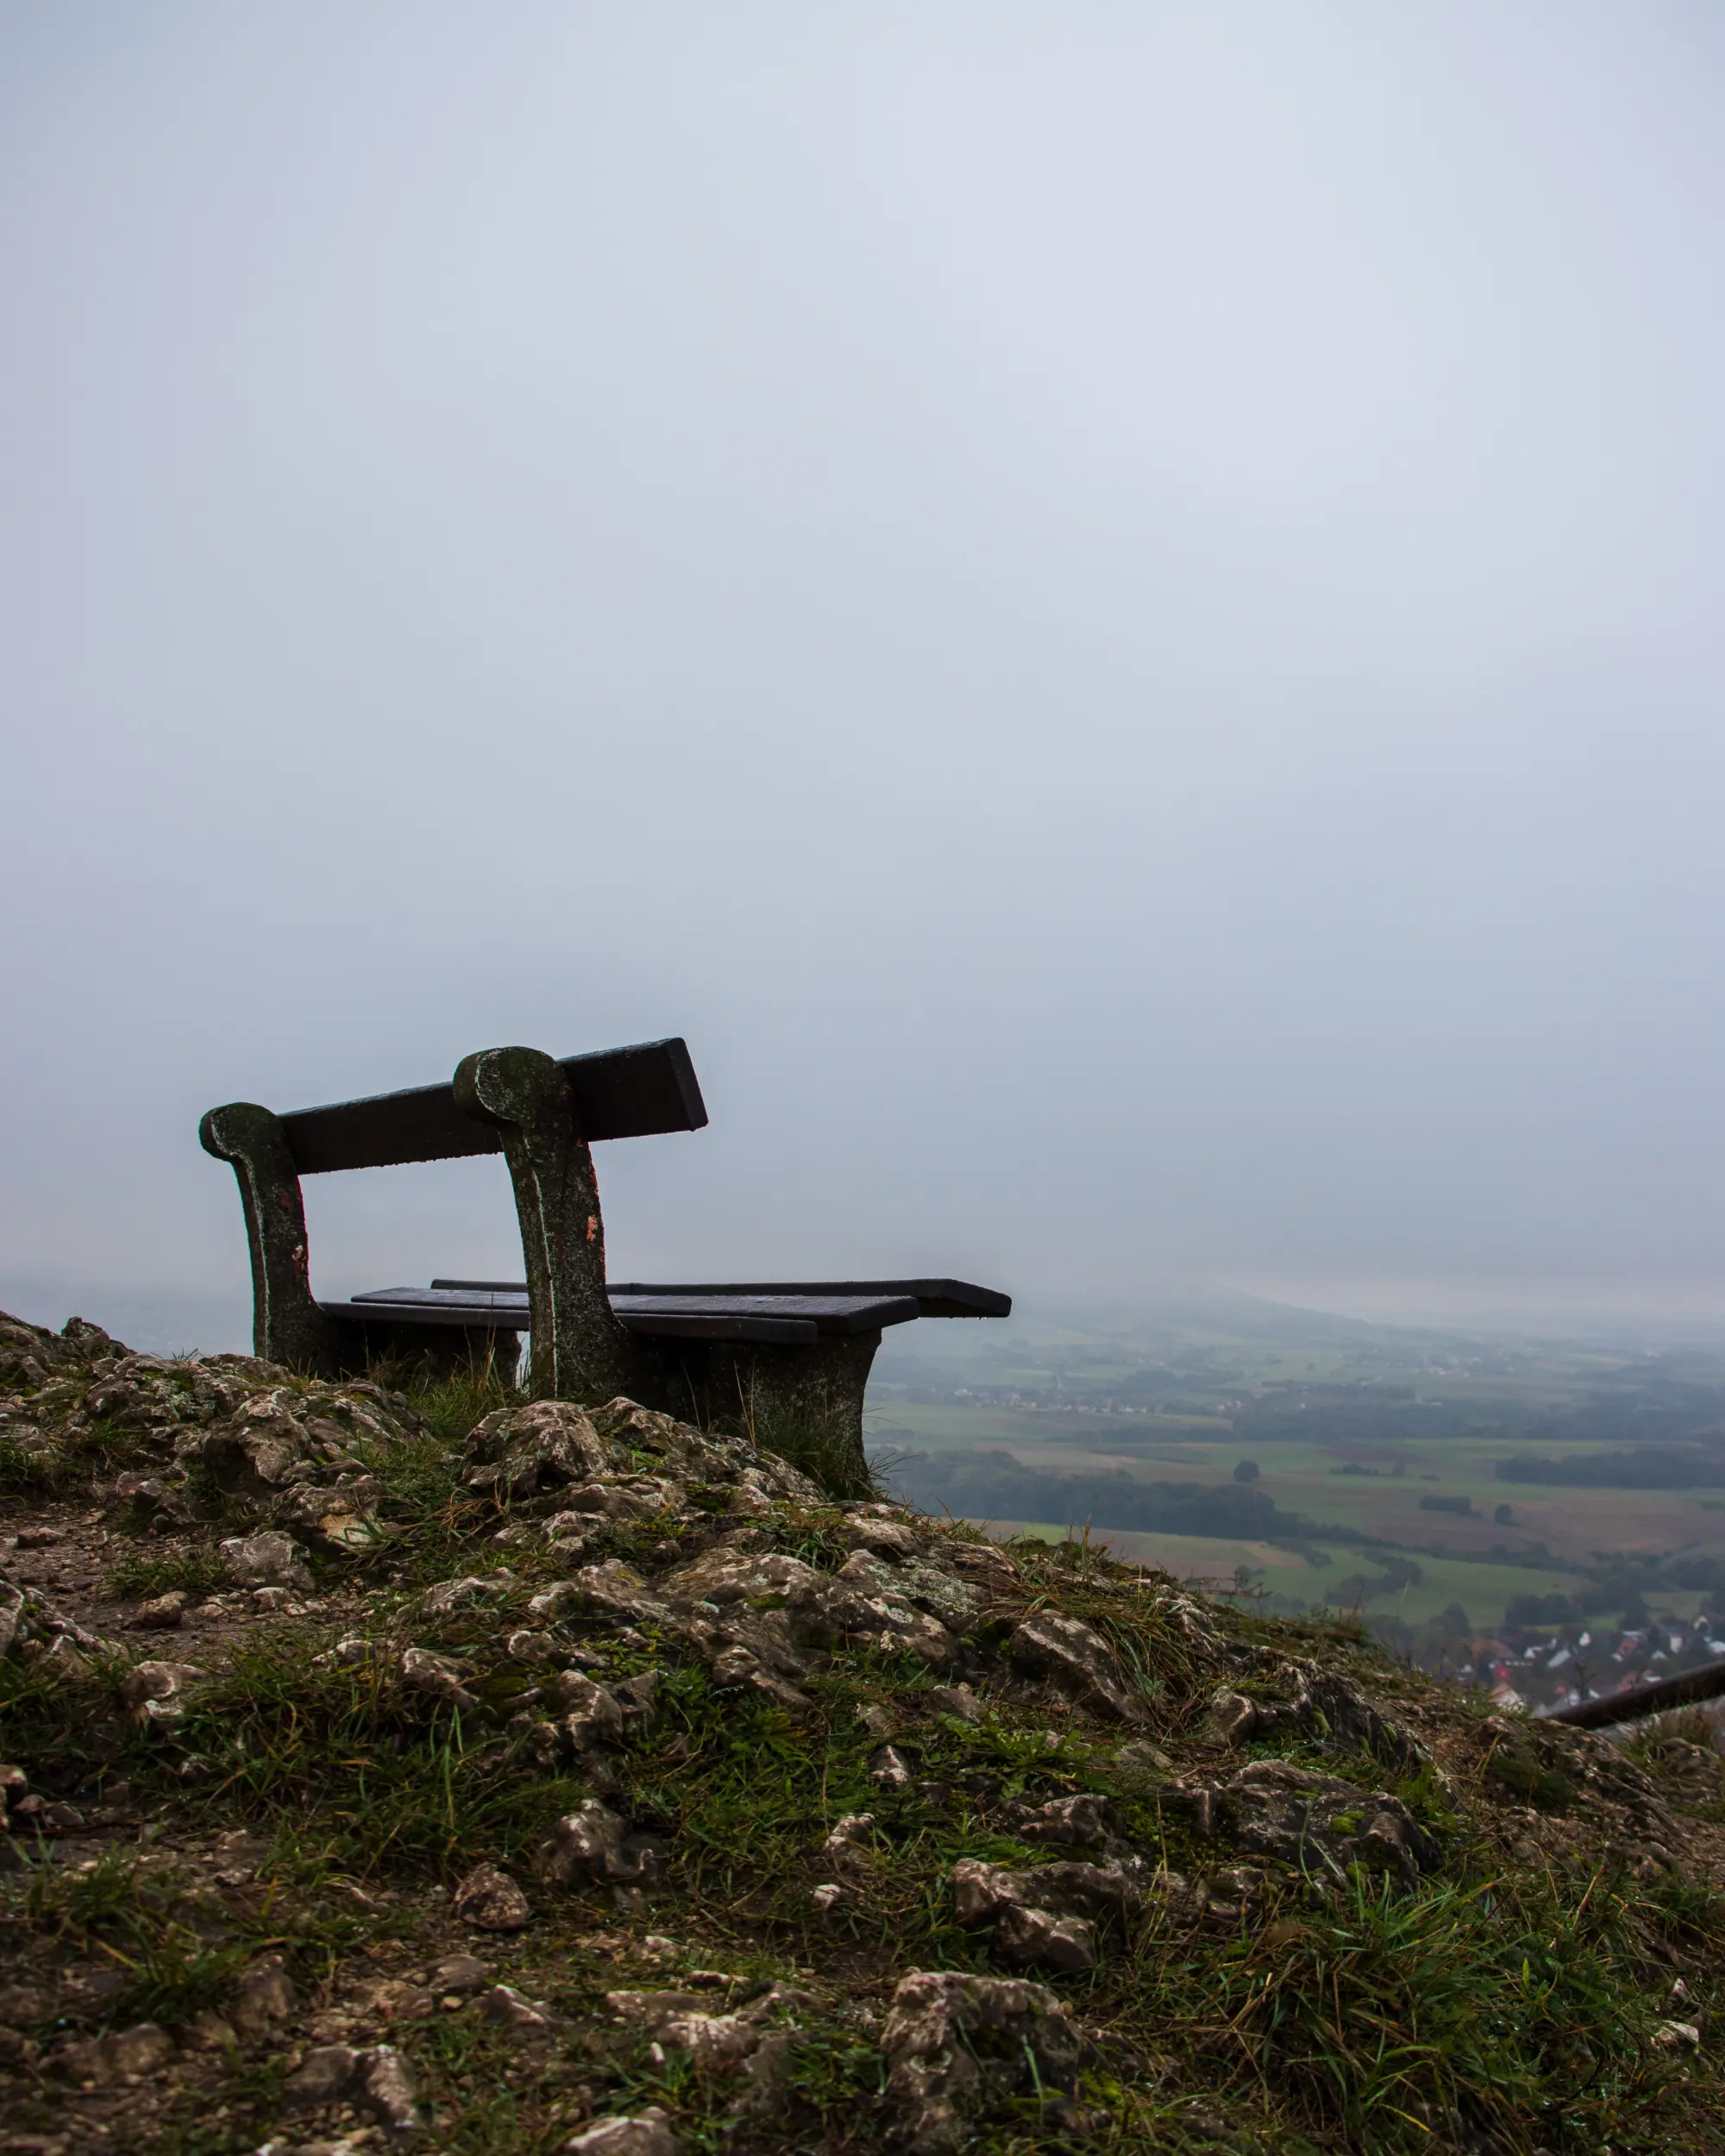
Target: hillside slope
pixel 437 1769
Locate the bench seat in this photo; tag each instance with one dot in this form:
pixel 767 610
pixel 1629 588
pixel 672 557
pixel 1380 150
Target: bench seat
pixel 781 1313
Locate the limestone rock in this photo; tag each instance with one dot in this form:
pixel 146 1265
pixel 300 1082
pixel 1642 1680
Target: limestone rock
pixel 325 2074
pixel 509 2009
pixel 437 1677
pixel 490 1901
pixel 850 1840
pixel 956 1700
pixel 592 1844
pixel 952 2042
pixel 1039 1916
pixel 591 1714
pixel 270 1559
pixel 1068 1654
pixel 683 2019
pixel 125 2055
pixel 387 2090
pixel 156 1691
pixel 641 2134
pixel 1311 1821
pixel 888 1768
pixel 264 1994
pixel 1033 1938
pixel 520 1451
pixel 1084 1821
pixel 1319 1704
pixel 378 2078
pixel 458 1594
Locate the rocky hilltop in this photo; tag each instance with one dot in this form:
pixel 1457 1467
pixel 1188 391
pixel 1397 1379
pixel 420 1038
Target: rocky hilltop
pixel 427 1767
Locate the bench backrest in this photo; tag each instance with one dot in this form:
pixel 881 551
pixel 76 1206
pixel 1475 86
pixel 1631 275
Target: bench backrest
pixel 540 1113
pixel 637 1092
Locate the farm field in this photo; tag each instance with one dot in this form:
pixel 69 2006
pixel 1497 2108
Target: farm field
pixel 1350 1428
pixel 1331 1484
pixel 1483 1591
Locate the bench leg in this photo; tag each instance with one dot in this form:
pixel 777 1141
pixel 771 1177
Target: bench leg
pixel 287 1326
pixel 809 1399
pixel 579 1347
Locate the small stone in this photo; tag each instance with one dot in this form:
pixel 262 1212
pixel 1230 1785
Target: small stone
pixel 1233 1717
pixel 326 2075
pixel 1082 1821
pixel 438 1678
pixel 387 2089
pixel 956 1700
pixel 162 1613
pixel 643 2133
pixel 265 1995
pixel 397 2001
pixel 209 2032
pixel 638 1697
pixel 266 1560
pixel 888 1768
pixel 712 2039
pixel 1033 1938
pixel 490 1901
pixel 1676 2036
pixel 438 1602
pixel 591 1713
pixel 127 2055
pixel 155 1691
pixel 460 1972
pixel 1141 1753
pixel 586 1844
pixel 504 2004
pixel 824 1897
pixel 854 1831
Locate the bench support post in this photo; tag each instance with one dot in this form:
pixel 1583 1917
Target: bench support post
pixel 807 1394
pixel 287 1326
pixel 579 1347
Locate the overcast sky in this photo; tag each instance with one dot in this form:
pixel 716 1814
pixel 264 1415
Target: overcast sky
pixel 1114 610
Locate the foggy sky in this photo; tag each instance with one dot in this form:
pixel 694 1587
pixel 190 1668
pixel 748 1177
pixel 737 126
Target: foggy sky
pixel 1115 611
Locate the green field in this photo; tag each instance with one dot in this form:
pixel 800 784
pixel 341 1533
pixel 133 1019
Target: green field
pixel 1214 1564
pixel 1349 1426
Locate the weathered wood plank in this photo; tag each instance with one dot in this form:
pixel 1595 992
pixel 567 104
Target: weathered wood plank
pixel 934 1297
pixel 636 1092
pixel 683 1318
pixel 837 1315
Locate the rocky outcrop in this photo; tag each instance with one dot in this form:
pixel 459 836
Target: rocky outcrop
pixel 653 1779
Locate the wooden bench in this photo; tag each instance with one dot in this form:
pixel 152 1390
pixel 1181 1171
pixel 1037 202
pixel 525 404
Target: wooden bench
pixel 787 1351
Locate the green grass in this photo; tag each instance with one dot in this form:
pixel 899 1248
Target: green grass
pixel 178 1951
pixel 378 1778
pixel 195 1568
pixel 1481 2009
pixel 68 1464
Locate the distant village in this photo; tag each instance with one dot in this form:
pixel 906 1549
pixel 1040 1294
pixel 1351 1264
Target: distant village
pixel 1542 1670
